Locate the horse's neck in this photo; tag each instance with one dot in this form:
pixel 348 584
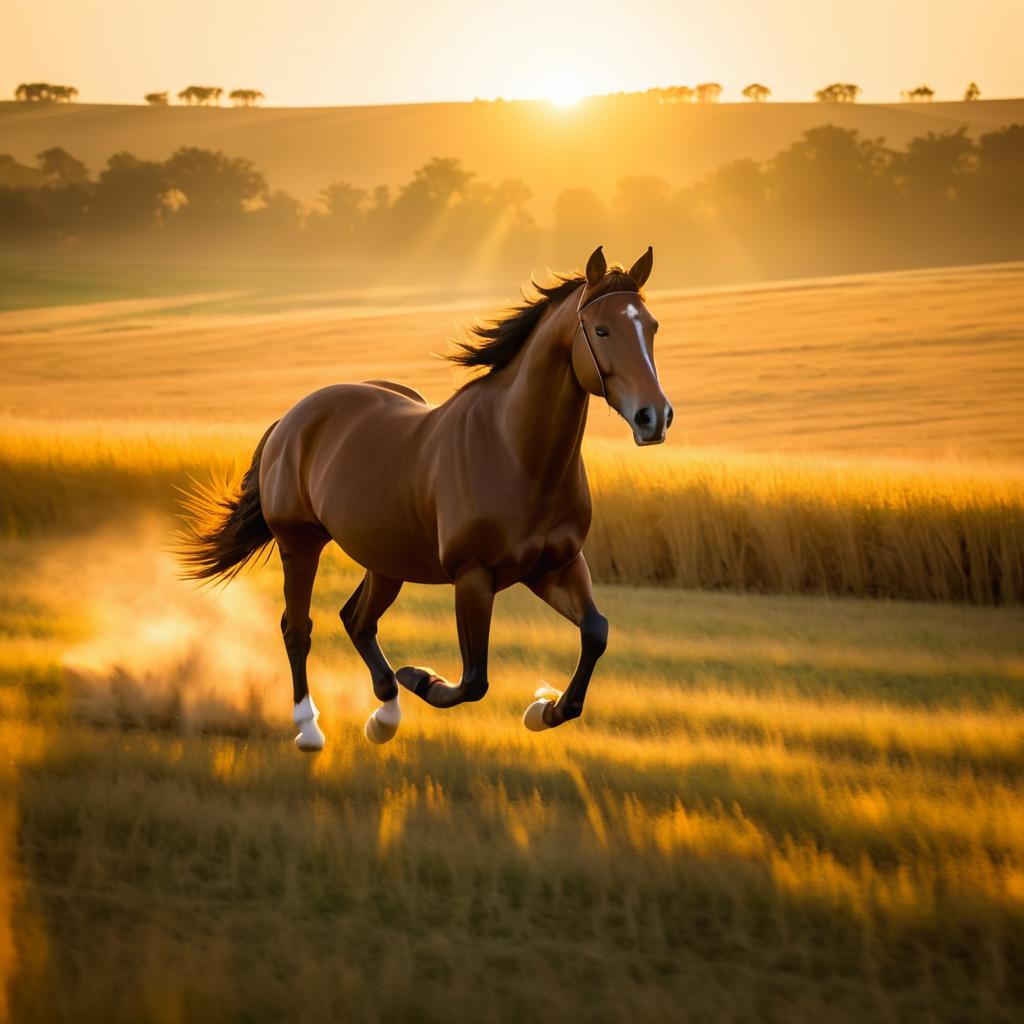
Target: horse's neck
pixel 543 409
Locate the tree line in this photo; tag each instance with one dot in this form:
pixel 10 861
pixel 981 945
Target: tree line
pixel 705 92
pixel 831 202
pixel 192 95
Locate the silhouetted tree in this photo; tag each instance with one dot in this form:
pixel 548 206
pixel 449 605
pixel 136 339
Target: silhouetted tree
pixel 343 205
pixel 433 187
pixel 708 92
pixel 245 97
pixel 838 92
pixel 757 93
pixel 921 94
pixel 932 167
pixel 61 168
pixel 130 195
pixel 673 94
pixel 831 171
pixel 201 95
pixel 972 92
pixel 998 174
pixel 44 92
pixel 156 99
pixel 216 187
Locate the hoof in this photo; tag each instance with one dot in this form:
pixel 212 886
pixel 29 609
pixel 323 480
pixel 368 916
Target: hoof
pixel 533 717
pixel 310 739
pixel 382 725
pixel 418 679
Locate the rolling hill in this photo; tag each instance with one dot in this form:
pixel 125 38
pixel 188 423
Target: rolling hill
pixel 591 145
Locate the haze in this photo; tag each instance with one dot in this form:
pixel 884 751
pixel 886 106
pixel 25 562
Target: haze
pixel 401 51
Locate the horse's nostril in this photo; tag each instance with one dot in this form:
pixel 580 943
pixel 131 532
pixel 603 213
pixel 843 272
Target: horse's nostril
pixel 668 417
pixel 644 417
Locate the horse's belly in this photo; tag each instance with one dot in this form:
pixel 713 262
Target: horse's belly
pixel 378 514
pixel 389 551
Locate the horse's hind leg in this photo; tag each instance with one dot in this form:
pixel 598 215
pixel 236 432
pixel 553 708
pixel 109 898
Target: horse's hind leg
pixel 300 558
pixel 360 615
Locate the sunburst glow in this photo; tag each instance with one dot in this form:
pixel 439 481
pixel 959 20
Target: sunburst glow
pixel 564 96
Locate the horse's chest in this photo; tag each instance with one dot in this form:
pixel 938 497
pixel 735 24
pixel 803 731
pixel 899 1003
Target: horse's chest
pixel 515 539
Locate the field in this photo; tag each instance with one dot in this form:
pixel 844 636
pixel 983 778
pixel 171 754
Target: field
pixel 783 803
pixel 774 809
pixel 927 364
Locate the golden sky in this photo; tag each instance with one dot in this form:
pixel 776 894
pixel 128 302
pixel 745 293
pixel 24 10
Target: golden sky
pixel 327 52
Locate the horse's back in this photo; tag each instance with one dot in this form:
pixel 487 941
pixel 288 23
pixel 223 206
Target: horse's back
pixel 399 389
pixel 350 458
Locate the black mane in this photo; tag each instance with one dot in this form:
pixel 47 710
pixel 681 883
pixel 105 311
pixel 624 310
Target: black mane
pixel 495 343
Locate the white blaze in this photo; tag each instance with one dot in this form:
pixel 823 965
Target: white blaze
pixel 634 314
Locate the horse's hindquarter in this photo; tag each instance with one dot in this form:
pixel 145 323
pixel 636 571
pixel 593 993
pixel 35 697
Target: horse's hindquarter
pixel 352 458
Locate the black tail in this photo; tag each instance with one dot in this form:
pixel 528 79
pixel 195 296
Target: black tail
pixel 225 531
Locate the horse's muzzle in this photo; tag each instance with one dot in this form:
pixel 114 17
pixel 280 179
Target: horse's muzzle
pixel 650 424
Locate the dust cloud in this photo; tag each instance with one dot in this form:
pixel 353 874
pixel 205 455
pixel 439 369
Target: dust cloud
pixel 160 652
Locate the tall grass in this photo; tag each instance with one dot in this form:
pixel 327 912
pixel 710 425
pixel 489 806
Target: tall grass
pixel 682 517
pixel 773 809
pixel 787 524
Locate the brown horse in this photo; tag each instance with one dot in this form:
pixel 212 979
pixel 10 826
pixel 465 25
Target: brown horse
pixel 483 491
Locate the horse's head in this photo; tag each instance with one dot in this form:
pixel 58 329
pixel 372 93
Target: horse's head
pixel 613 348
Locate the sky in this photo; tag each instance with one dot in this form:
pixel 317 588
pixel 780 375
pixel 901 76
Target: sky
pixel 335 52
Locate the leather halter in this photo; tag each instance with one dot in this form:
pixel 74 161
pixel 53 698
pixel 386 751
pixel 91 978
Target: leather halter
pixel 581 326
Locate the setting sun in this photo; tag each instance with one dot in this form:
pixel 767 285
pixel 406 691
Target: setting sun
pixel 564 96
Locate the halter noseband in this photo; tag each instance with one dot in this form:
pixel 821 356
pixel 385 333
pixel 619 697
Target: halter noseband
pixel 586 337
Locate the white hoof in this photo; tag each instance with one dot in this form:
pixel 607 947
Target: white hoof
pixel 382 725
pixel 310 738
pixel 533 717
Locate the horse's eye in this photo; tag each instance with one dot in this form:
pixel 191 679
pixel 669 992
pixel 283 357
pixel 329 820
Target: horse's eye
pixel 601 332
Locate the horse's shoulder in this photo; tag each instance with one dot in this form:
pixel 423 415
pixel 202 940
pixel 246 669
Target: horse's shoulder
pixel 401 389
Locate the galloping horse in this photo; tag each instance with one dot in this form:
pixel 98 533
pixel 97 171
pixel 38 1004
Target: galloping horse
pixel 483 491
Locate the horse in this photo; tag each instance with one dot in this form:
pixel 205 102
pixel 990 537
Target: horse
pixel 486 490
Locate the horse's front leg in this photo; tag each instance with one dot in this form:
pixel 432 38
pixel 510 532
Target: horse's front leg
pixel 569 591
pixel 474 603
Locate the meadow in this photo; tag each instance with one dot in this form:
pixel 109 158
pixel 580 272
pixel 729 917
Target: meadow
pixel 784 802
pixel 773 809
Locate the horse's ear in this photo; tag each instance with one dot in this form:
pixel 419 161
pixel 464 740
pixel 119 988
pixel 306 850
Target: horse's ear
pixel 597 266
pixel 641 270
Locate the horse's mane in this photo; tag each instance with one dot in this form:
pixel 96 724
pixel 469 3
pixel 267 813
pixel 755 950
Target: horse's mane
pixel 494 343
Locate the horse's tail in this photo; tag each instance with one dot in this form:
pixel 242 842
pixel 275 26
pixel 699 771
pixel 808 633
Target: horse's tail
pixel 225 529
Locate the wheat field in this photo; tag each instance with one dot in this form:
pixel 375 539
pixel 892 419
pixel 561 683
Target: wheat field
pixel 783 803
pixel 709 519
pixel 924 364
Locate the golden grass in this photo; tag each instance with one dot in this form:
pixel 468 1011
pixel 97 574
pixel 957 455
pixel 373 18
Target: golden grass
pixel 708 519
pixel 773 808
pixel 928 364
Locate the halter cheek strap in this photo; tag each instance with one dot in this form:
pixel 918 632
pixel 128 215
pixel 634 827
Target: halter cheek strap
pixel 589 364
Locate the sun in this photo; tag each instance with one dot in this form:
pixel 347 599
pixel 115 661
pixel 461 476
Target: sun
pixel 564 96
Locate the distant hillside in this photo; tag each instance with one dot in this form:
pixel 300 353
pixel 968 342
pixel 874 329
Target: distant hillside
pixel 590 145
